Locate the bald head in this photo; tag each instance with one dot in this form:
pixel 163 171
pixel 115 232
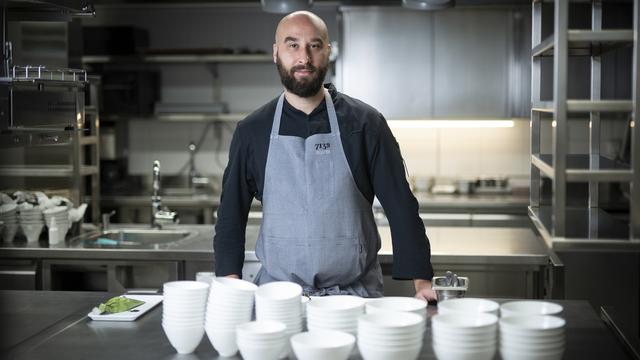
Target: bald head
pixel 301 19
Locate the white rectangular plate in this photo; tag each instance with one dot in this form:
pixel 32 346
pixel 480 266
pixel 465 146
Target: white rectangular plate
pixel 150 301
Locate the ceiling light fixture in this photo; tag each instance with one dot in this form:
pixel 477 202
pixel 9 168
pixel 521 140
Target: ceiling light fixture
pixel 428 4
pixel 285 6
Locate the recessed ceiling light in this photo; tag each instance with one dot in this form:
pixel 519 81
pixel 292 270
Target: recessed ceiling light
pixel 285 6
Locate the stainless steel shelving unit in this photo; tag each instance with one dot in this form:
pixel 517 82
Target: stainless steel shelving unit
pixel 73 135
pixel 179 58
pixel 562 227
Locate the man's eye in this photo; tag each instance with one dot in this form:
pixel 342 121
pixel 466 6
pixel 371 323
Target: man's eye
pixel 293 45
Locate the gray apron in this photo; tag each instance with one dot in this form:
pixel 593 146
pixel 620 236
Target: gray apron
pixel 317 228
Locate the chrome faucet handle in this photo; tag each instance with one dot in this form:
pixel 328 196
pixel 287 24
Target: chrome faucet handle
pixel 106 219
pixel 165 217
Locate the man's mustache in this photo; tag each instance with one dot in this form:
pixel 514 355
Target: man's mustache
pixel 303 67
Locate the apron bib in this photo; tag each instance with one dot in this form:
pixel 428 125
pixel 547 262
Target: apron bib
pixel 317 228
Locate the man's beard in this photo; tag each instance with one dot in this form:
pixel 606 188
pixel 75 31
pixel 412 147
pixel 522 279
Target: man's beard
pixel 306 87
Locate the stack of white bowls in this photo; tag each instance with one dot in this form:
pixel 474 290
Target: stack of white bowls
pixel 464 335
pixel 397 303
pixel 8 215
pixel 230 304
pixel 537 337
pixel 322 345
pixel 61 213
pixel 261 340
pixel 468 305
pixel 389 335
pixel 183 313
pixel 280 301
pixel 337 312
pixel 529 307
pixel 31 222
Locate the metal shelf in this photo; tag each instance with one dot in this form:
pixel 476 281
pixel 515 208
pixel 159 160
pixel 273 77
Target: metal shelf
pixel 577 168
pixel 179 58
pixel 593 230
pixel 43 137
pixel 46 170
pixel 586 106
pixel 185 117
pixel 587 42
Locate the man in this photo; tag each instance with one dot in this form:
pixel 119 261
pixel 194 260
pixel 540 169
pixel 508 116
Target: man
pixel 315 158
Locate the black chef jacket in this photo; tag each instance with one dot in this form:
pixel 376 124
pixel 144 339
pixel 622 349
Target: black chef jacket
pixel 375 162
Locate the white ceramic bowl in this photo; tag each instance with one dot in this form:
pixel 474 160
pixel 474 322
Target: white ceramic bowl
pixel 279 291
pixel 521 355
pixel 529 307
pixel 336 304
pixel 397 303
pixel 536 339
pixel 236 286
pixel 261 330
pixel 321 345
pixel 32 232
pixel 252 351
pixel 376 353
pixel 468 305
pixel 534 325
pixel 184 339
pixel 9 232
pixel 184 286
pixel 447 353
pixel 390 321
pixel 224 341
pixel 465 323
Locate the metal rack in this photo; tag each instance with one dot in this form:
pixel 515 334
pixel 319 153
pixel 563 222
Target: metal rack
pixel 564 227
pixel 72 133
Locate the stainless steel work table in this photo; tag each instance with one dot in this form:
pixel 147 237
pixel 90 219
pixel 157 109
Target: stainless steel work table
pixel 77 337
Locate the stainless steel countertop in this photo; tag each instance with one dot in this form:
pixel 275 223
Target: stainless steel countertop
pixel 512 204
pixel 78 337
pixel 449 245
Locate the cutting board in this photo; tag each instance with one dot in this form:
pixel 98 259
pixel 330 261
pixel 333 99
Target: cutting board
pixel 150 301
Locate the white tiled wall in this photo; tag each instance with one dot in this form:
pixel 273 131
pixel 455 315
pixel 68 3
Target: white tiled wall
pixel 466 152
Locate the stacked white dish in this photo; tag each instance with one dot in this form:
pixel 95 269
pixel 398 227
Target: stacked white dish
pixel 323 344
pixel 183 312
pixel 261 340
pixel 533 337
pixel 8 215
pixel 280 301
pixel 529 307
pixel 464 335
pixel 337 312
pixel 230 304
pixel 31 221
pixel 467 305
pixel 61 214
pixel 389 335
pixel 397 303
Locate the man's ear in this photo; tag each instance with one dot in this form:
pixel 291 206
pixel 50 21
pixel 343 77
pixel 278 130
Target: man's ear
pixel 275 53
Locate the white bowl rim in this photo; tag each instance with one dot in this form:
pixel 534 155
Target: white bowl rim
pixel 537 323
pixel 337 339
pixel 391 319
pixel 528 305
pixel 461 319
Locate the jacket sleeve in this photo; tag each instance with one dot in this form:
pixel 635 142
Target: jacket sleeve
pixel 235 203
pixel 411 248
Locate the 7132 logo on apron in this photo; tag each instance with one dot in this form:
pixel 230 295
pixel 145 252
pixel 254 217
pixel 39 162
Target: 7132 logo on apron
pixel 322 148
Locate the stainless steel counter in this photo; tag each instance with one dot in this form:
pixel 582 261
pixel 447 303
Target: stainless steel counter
pixel 77 337
pixel 448 245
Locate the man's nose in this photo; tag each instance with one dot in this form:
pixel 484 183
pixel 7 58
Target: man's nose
pixel 305 57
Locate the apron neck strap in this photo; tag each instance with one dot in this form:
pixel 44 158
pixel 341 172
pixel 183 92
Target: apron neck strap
pixel 331 111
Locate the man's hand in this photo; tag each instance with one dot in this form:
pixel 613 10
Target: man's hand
pixel 233 276
pixel 424 290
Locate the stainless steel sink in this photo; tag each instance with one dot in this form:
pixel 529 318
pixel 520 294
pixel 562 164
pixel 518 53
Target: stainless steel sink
pixel 137 238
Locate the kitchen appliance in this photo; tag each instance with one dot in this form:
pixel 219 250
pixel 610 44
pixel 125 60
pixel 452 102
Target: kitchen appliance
pixel 114 40
pixel 130 92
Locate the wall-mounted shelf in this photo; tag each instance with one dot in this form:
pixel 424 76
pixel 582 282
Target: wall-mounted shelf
pixel 577 106
pixel 46 170
pixel 179 58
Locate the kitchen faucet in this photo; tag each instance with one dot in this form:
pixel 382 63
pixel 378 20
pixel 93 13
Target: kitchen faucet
pixel 160 215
